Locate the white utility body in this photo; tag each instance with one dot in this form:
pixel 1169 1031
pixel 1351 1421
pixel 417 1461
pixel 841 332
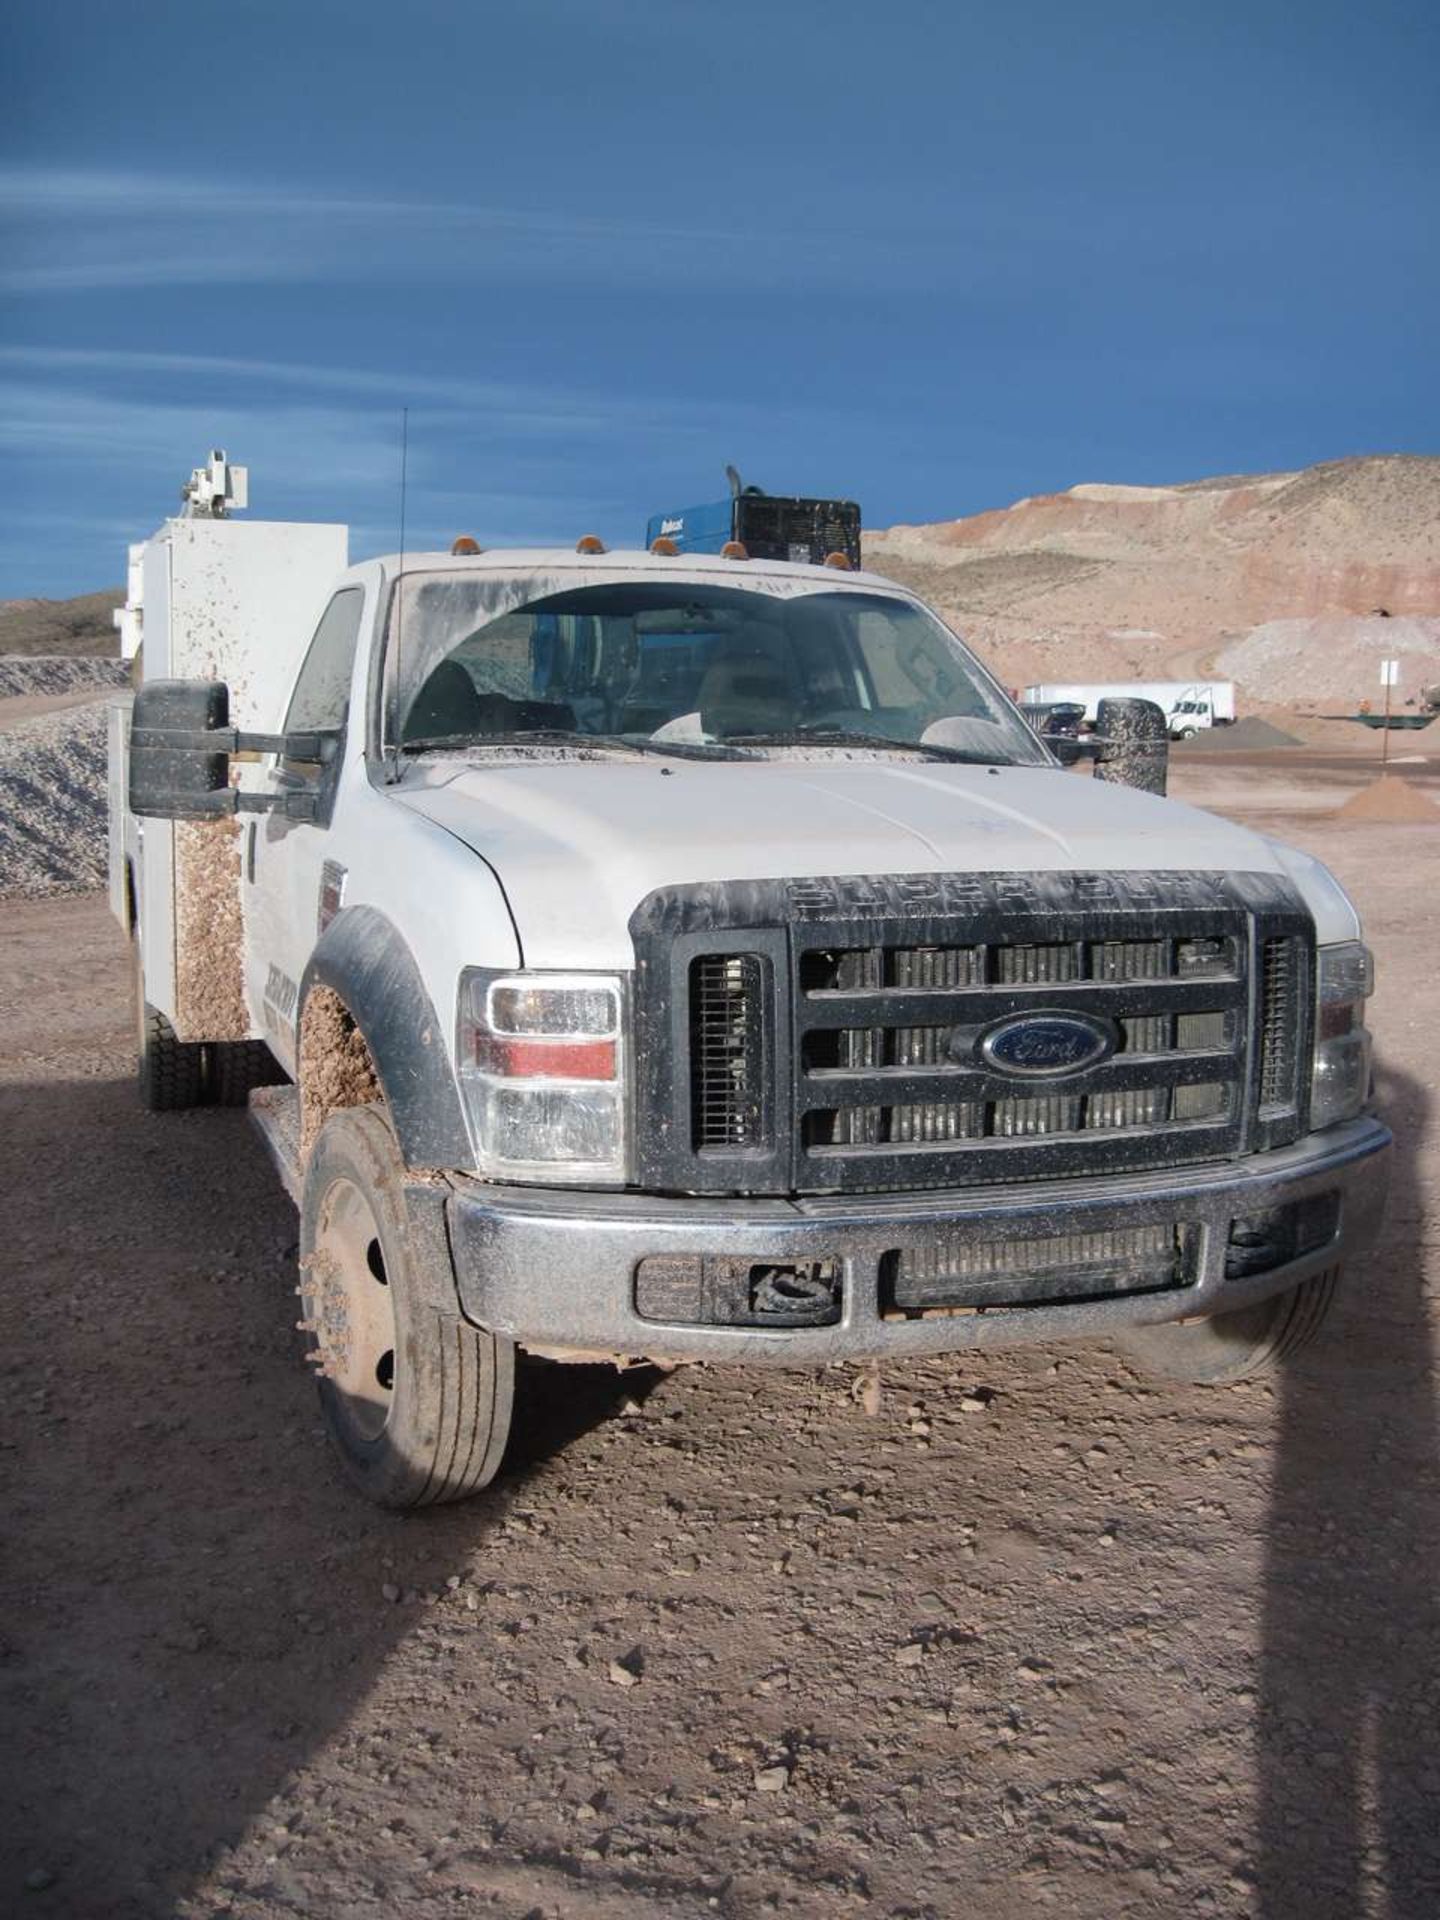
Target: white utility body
pixel 1189 706
pixel 644 956
pixel 207 599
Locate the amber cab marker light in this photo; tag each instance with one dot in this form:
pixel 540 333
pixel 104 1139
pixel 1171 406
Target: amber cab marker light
pixel 734 550
pixel 664 545
pixel 840 561
pixel 589 543
pixel 465 543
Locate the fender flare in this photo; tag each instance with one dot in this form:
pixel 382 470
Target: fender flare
pixel 362 957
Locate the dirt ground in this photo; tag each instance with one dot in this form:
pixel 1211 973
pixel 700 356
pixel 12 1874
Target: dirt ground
pixel 27 706
pixel 1039 1635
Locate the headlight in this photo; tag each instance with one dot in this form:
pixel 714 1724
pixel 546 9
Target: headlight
pixel 543 1068
pixel 1340 1083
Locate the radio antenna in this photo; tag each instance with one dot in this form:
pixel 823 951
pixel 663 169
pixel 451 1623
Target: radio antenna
pixel 400 591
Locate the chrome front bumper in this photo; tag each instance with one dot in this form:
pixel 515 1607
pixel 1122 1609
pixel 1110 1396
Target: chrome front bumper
pixel 555 1270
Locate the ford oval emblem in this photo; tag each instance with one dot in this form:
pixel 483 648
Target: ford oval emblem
pixel 1045 1046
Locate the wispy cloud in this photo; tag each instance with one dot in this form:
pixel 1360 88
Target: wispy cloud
pixel 77 231
pixel 512 405
pixel 509 461
pixel 98 431
pixel 122 406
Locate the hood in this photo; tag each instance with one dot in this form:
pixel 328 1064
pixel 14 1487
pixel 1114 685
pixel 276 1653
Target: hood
pixel 577 844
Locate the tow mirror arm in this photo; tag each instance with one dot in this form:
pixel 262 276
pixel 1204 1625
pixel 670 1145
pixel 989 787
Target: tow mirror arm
pixel 180 748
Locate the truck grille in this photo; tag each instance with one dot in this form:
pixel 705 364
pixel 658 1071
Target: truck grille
pixel 1172 1066
pixel 726 1041
pixel 836 1035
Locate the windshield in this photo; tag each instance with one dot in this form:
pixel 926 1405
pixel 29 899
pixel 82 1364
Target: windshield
pixel 693 667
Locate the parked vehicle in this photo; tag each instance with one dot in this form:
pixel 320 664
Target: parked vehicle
pixel 1056 719
pixel 1190 706
pixel 647 956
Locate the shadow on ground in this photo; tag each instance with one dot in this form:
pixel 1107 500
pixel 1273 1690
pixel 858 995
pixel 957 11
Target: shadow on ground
pixel 1350 1670
pixel 195 1599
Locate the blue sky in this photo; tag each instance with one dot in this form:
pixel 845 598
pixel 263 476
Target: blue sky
pixel 932 256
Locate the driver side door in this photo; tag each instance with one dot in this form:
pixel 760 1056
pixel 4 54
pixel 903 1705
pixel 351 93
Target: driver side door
pixel 285 859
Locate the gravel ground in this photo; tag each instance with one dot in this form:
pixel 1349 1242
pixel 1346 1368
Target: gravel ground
pixel 53 771
pixel 52 802
pixel 22 674
pixel 1037 1634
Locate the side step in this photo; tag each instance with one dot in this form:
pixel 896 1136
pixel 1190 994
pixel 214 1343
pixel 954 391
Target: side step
pixel 276 1112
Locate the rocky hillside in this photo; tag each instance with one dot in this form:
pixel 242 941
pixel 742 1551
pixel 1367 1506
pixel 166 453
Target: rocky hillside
pixel 1292 584
pixel 82 625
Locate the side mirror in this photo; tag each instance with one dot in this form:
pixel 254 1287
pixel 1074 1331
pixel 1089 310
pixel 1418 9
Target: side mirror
pixel 1132 744
pixel 180 742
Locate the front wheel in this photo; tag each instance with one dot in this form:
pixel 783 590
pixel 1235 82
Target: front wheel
pixel 1231 1346
pixel 416 1400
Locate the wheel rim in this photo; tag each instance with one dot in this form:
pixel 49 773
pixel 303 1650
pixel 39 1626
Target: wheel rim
pixel 353 1311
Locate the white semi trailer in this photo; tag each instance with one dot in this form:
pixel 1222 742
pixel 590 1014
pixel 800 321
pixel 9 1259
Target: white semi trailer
pixel 688 958
pixel 1189 706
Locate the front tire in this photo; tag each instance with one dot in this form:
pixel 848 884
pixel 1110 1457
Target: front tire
pixel 417 1401
pixel 1232 1346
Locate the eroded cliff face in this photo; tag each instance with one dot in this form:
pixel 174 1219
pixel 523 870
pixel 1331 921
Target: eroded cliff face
pixel 1118 581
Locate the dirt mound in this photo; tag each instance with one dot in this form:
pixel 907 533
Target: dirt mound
pixel 1242 737
pixel 53 802
pixel 1392 800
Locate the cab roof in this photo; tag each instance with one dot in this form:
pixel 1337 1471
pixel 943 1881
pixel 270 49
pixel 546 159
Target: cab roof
pixel 632 563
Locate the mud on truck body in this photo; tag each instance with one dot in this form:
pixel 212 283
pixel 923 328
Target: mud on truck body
pixel 657 956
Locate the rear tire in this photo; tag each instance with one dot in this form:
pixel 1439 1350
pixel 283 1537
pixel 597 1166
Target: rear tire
pixel 417 1401
pixel 1233 1346
pixel 170 1071
pixel 237 1067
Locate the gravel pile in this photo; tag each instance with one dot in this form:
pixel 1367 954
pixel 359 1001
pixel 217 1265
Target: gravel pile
pixel 53 802
pixel 22 673
pixel 1333 659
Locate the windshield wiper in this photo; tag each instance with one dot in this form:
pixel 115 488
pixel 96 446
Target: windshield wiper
pixel 855 737
pixel 567 737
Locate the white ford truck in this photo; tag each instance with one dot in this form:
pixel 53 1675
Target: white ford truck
pixel 640 955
